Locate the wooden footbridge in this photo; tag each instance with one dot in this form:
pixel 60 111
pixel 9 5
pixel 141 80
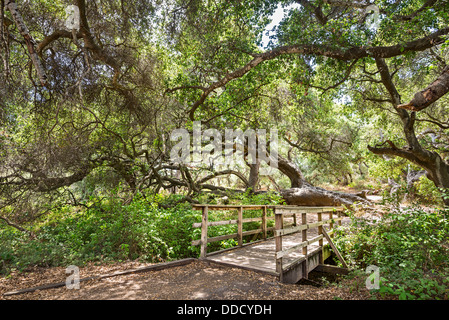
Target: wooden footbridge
pixel 296 244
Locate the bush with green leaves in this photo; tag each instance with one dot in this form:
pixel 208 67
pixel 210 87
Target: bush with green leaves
pixel 111 231
pixel 426 191
pixel 411 248
pixel 107 231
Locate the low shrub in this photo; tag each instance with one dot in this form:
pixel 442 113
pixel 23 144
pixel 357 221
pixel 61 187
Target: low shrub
pixel 108 231
pixel 411 248
pixel 111 231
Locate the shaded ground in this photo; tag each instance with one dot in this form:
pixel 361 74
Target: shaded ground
pixel 196 280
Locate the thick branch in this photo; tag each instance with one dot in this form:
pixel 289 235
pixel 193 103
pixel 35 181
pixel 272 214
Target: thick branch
pixel 291 171
pixel 327 51
pixel 89 42
pixel 12 7
pixel 407 120
pixel 402 153
pixel 53 37
pixel 319 15
pixel 14 225
pixel 220 173
pixel 343 3
pixel 429 95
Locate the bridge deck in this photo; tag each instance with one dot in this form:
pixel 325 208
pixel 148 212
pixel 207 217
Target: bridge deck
pixel 260 256
pixel 299 245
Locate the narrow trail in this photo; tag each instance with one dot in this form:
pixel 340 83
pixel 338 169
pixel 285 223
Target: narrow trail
pixel 195 281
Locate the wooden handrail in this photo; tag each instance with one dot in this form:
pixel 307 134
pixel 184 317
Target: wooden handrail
pixel 227 207
pixel 225 222
pixel 280 212
pixel 280 231
pixel 286 231
pixel 280 208
pixel 205 223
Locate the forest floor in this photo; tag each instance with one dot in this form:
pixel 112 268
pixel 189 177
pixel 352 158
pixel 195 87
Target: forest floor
pixel 196 280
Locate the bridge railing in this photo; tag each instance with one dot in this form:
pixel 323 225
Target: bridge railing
pixel 286 223
pixel 281 212
pixel 206 223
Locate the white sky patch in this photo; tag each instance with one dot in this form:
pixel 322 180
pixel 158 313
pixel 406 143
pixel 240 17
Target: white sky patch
pixel 277 17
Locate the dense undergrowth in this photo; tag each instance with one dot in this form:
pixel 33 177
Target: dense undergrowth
pixel 148 230
pixel 410 248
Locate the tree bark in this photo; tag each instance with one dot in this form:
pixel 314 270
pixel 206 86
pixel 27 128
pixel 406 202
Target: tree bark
pixel 309 195
pixel 17 17
pixel 304 194
pixel 291 171
pixel 437 169
pixel 253 179
pixel 429 95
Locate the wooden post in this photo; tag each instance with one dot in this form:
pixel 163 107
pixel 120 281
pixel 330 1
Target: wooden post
pixel 304 249
pixel 320 232
pixel 240 226
pixel 331 225
pixel 339 256
pixel 278 223
pixel 339 216
pixel 204 221
pixel 264 222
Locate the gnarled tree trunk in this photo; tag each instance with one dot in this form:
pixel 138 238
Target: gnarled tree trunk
pixel 253 179
pixel 437 169
pixel 303 193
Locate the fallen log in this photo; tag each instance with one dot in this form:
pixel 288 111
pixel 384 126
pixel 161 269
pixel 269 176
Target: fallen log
pixel 314 196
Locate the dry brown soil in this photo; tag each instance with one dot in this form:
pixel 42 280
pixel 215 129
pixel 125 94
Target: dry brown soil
pixel 197 280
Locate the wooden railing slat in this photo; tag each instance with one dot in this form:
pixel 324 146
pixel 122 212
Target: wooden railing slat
pixel 286 231
pixel 303 244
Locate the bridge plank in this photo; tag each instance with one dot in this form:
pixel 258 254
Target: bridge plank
pixel 261 256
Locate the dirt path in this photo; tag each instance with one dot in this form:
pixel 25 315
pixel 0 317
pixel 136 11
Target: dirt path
pixel 196 280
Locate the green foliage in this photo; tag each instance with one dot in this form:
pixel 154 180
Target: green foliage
pixel 427 191
pixel 268 198
pixel 386 168
pixel 108 231
pixel 411 248
pixel 111 231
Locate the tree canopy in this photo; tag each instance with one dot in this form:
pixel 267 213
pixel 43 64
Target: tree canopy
pixel 343 82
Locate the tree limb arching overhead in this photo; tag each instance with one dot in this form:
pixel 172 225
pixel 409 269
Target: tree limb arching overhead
pixel 429 95
pixel 348 54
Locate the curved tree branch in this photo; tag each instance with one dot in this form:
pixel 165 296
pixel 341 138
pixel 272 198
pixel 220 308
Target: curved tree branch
pixel 220 173
pixel 17 17
pixel 429 95
pixel 327 51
